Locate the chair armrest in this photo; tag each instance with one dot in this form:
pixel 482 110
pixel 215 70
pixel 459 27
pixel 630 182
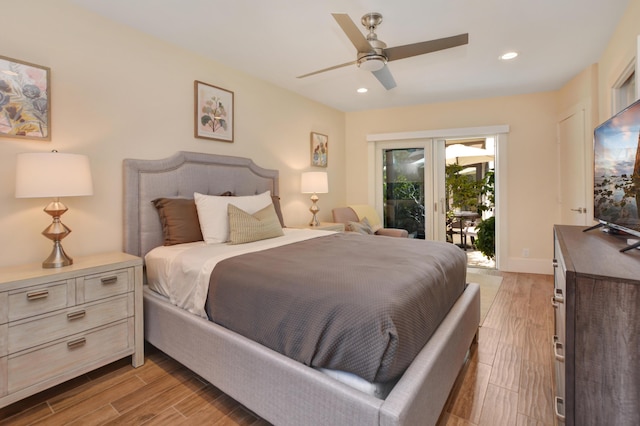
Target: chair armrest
pixel 392 232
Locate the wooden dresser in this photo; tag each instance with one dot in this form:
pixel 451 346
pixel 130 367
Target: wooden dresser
pixel 597 328
pixel 56 324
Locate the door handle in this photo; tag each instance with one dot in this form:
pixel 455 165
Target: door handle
pixel 579 210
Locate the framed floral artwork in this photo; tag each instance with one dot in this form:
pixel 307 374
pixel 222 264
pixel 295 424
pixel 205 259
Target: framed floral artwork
pixel 25 100
pixel 213 112
pixel 319 149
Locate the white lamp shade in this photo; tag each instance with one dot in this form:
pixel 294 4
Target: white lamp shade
pixel 53 174
pixel 314 182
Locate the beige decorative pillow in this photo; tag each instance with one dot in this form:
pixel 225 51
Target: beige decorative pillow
pixel 245 227
pixel 212 212
pixel 362 227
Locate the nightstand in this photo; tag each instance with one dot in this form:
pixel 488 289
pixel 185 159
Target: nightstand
pixel 325 226
pixel 56 324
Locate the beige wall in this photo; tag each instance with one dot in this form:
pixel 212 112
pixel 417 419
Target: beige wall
pixel 116 94
pixel 581 90
pixel 620 52
pixel 531 160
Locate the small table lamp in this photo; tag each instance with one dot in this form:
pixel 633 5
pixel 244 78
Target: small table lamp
pixel 53 175
pixel 314 183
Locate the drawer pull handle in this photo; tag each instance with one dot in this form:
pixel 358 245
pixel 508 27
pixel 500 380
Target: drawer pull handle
pixel 109 280
pixel 558 296
pixel 559 403
pixel 34 295
pixel 558 349
pixel 76 343
pixel 75 315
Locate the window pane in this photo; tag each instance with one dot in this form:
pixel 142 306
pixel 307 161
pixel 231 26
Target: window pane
pixel 403 190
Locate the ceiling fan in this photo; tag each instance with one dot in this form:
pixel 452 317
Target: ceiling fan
pixel 373 54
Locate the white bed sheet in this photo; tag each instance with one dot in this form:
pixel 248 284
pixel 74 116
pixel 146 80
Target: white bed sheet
pixel 181 272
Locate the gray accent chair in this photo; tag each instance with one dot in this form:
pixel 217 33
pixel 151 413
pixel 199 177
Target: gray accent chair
pixel 347 214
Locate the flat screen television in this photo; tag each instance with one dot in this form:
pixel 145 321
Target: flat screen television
pixel 617 171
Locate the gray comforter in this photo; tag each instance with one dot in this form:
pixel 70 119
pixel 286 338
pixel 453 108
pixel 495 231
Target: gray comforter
pixel 362 304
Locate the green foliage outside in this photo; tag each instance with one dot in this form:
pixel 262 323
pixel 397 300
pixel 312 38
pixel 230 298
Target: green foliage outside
pixel 407 199
pixel 464 192
pixel 486 241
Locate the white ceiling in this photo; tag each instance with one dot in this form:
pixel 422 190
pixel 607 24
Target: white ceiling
pixel 277 40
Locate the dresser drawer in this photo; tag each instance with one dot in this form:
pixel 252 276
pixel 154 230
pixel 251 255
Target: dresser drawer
pixel 47 361
pixel 40 299
pixel 106 284
pixel 46 328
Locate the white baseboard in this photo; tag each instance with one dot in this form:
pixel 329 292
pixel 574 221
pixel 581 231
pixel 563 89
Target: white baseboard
pixel 528 265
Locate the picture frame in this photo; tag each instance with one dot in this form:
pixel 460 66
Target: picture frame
pixel 319 149
pixel 213 112
pixel 25 100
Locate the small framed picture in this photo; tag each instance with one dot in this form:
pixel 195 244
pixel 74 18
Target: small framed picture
pixel 25 100
pixel 319 149
pixel 213 112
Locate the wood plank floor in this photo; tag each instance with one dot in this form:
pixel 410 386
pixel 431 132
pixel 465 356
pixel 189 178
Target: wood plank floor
pixel 507 380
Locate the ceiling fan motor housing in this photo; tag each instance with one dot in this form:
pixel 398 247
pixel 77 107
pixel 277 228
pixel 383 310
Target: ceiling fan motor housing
pixel 371 61
pixel 375 59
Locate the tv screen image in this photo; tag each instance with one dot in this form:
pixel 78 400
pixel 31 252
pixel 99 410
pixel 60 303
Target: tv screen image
pixel 617 171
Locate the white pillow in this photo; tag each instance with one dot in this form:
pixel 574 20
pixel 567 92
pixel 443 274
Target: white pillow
pixel 212 213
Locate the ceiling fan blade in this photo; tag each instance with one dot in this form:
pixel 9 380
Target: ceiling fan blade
pixel 327 69
pixel 415 49
pixel 385 78
pixel 352 31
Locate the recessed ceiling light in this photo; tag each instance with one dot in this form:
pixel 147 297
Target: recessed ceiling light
pixel 508 56
pixel 362 90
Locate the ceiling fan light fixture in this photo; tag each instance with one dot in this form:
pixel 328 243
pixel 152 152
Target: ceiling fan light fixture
pixel 372 62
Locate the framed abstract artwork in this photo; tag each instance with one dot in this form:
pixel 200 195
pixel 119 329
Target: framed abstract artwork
pixel 25 100
pixel 213 112
pixel 319 149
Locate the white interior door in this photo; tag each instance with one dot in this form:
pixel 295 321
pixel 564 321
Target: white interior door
pixel 572 169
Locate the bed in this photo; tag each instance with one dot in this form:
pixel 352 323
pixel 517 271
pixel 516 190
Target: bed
pixel 277 388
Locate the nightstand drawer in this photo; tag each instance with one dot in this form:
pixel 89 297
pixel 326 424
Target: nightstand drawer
pixel 39 299
pixel 46 328
pixel 34 366
pixel 104 285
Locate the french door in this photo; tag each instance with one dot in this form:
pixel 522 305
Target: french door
pixel 411 187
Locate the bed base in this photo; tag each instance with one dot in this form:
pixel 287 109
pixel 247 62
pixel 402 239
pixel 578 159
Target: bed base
pixel 275 387
pixel 285 392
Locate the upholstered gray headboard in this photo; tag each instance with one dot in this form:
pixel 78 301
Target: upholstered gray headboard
pixel 181 175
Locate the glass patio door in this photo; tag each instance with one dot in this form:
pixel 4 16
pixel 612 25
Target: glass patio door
pixel 404 190
pixel 410 187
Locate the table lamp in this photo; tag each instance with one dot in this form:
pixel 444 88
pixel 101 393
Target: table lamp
pixel 54 175
pixel 314 183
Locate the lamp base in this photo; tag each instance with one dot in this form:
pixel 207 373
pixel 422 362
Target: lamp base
pixel 58 258
pixel 314 210
pixel 314 221
pixel 56 232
